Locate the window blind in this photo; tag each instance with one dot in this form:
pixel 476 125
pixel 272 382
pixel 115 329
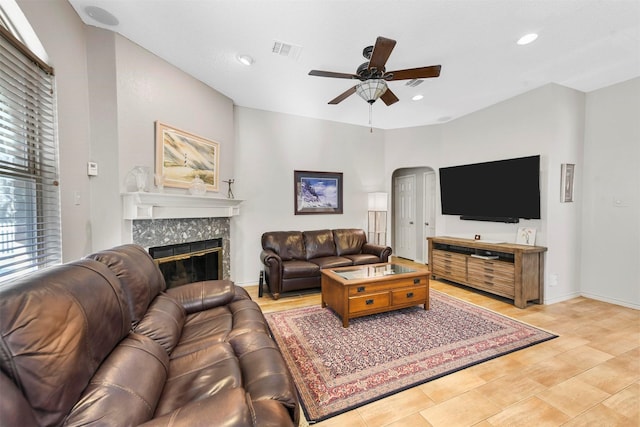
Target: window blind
pixel 30 231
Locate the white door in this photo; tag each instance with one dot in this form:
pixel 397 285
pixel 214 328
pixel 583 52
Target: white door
pixel 405 214
pixel 429 229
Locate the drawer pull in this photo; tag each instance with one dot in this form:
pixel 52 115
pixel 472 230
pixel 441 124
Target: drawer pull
pixel 489 270
pixel 416 281
pixel 488 283
pixel 409 294
pixel 369 302
pixel 360 288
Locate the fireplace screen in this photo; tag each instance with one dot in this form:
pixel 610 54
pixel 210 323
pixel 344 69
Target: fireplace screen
pixel 189 262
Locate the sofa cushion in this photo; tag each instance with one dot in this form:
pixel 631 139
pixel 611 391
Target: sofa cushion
pixel 349 241
pixel 163 322
pixel 295 269
pixel 126 388
pixel 287 244
pixel 56 328
pixel 332 262
pixel 141 278
pixel 319 243
pixel 198 375
pixel 204 329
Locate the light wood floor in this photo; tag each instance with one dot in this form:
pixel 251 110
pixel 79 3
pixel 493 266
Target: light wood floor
pixel 589 376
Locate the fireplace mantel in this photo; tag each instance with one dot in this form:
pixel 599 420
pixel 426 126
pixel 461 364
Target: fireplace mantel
pixel 143 205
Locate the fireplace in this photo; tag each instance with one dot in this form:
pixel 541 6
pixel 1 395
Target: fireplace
pixel 189 262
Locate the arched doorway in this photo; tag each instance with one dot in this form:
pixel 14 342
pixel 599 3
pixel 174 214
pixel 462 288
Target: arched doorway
pixel 413 210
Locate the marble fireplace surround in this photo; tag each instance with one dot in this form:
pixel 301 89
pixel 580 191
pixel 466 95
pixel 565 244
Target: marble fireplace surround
pixel 160 219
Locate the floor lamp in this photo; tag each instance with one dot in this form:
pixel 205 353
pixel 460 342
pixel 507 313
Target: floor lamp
pixel 377 231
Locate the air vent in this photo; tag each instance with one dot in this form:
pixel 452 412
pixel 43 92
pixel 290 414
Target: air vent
pixel 286 49
pixel 414 82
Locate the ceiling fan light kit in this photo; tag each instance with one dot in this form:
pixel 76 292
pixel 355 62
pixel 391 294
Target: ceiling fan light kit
pixel 371 90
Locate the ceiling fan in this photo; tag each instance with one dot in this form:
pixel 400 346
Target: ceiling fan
pixel 374 77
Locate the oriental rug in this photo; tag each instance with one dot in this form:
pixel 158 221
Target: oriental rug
pixel 338 369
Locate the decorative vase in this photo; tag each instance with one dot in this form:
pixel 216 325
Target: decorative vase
pixel 197 187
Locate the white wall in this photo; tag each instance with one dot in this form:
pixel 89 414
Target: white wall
pixel 63 36
pixel 269 147
pixel 110 92
pixel 610 257
pixel 150 89
pixel 546 121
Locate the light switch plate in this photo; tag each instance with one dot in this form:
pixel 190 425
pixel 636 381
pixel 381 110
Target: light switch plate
pixel 92 169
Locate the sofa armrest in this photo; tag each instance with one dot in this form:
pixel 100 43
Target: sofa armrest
pixel 203 295
pixel 382 252
pixel 270 258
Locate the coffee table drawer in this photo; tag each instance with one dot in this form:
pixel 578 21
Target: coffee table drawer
pixel 369 288
pixel 368 302
pixel 408 295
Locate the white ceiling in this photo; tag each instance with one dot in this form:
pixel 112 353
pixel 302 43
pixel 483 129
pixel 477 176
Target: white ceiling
pixel 582 44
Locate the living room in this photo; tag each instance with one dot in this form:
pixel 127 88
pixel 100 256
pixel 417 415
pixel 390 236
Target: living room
pixel 111 91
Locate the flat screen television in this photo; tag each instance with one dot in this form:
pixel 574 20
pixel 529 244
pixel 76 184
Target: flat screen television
pixel 500 191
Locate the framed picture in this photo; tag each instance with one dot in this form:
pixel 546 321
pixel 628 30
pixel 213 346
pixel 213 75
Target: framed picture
pixel 526 236
pixel 317 192
pixel 182 156
pixel 566 182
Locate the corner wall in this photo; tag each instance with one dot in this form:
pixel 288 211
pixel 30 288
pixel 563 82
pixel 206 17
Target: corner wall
pixel 610 257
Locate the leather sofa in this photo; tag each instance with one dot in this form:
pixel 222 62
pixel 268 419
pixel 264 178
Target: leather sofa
pixel 293 259
pixel 100 342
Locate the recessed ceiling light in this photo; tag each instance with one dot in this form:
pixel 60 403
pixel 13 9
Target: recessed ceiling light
pixel 527 38
pixel 245 60
pixel 417 97
pixel 101 15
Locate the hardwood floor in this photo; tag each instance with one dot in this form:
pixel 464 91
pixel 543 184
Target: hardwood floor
pixel 588 376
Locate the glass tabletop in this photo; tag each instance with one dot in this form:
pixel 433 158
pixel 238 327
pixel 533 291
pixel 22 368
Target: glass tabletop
pixel 366 272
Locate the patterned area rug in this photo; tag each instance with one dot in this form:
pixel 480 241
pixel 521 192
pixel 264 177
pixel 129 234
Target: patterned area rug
pixel 338 369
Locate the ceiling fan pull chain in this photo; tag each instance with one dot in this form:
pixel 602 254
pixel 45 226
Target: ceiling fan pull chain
pixel 370 117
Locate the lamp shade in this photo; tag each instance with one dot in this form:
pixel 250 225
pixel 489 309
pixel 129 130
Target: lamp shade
pixel 378 202
pixel 372 89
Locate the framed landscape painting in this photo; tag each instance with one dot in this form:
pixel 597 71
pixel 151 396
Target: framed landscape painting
pixel 317 192
pixel 182 156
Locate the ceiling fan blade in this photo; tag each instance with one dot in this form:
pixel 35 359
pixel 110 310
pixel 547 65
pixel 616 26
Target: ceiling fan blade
pixel 344 95
pixel 389 97
pixel 417 73
pixel 381 52
pixel 332 74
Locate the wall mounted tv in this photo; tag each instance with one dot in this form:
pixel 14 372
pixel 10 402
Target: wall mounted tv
pixel 499 191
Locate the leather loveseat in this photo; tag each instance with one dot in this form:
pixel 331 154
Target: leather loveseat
pixel 100 342
pixel 293 259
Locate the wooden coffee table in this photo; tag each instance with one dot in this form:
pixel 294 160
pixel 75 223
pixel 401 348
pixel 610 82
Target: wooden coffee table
pixel 374 288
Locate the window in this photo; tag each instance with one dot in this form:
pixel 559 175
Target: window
pixel 29 194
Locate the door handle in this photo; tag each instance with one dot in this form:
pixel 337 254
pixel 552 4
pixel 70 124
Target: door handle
pixel 426 223
pixel 410 222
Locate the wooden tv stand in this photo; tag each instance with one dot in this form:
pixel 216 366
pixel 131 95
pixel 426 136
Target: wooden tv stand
pixel 517 273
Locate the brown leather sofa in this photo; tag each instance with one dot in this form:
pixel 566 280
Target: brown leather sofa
pixel 99 342
pixel 293 259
